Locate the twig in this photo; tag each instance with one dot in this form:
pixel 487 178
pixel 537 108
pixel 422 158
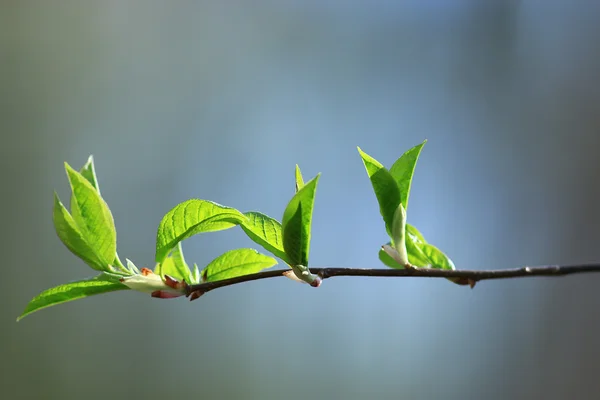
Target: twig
pixel 459 276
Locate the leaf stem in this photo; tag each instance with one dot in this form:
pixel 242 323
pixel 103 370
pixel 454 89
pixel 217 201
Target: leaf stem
pixel 472 276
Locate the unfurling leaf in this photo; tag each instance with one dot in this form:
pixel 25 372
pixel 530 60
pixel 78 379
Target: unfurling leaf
pixel 399 235
pixel 92 218
pixel 192 217
pixel 296 223
pixel 69 233
pixel 88 171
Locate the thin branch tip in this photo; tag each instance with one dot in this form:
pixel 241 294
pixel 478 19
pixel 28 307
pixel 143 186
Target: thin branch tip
pixel 461 277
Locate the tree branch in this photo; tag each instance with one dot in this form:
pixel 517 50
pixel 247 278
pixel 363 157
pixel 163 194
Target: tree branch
pixel 464 277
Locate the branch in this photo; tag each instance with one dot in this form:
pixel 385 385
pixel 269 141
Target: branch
pixel 460 276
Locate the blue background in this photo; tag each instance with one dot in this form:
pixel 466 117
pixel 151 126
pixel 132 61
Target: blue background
pixel 219 100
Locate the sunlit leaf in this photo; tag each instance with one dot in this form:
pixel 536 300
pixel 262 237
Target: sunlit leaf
pixel 385 188
pixel 88 171
pixel 69 233
pixel 299 179
pixel 192 217
pixel 403 169
pixel 296 223
pixel 102 283
pixel 92 217
pixel 265 231
pixel 235 263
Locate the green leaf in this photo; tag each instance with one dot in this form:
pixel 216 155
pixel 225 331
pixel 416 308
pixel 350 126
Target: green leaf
pixel 299 179
pixel 102 283
pixel 175 266
pixel 296 223
pixel 237 262
pixel 420 253
pixel 190 218
pixel 411 230
pixel 403 169
pixel 265 231
pixel 436 257
pixel 89 172
pixel 385 188
pixel 414 240
pixel 72 238
pixel 93 218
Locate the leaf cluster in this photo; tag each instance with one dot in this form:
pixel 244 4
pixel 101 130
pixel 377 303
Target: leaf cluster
pixel 87 229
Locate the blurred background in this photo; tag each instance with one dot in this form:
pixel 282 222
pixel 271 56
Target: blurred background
pixel 219 100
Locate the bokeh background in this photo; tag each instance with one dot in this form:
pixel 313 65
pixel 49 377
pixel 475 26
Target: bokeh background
pixel 219 100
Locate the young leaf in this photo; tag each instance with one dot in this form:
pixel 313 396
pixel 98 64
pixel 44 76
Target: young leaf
pixel 190 218
pixel 385 188
pixel 93 218
pixel 411 230
pixel 296 223
pixel 403 169
pixel 175 266
pixel 389 260
pixel 299 179
pixel 102 283
pixel 399 259
pixel 436 257
pixel 89 172
pixel 196 274
pixel 133 270
pixel 414 240
pixel 420 253
pixel 236 262
pixel 265 231
pixel 416 257
pixel 72 238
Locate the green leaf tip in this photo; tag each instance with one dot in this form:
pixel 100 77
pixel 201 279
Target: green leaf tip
pixel 403 170
pixel 296 223
pixel 88 171
pixel 299 179
pixel 192 217
pixel 103 283
pixel 385 187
